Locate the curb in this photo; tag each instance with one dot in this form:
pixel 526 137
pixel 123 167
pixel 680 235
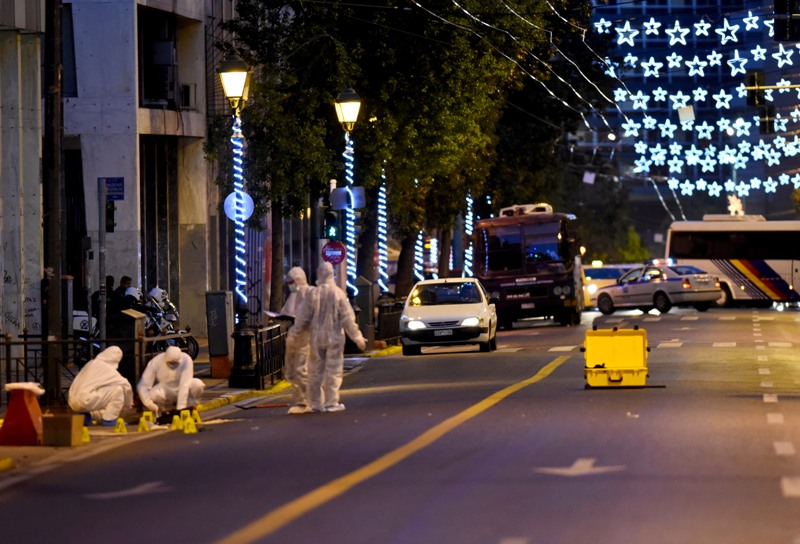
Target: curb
pixel 238 397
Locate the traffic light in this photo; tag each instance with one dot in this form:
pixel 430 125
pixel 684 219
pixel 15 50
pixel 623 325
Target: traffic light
pixel 787 28
pixel 111 207
pixel 754 78
pixel 331 228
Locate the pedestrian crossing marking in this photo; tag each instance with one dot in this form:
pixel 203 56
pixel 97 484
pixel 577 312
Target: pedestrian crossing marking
pixel 562 348
pixel 780 344
pixel 670 344
pixel 724 344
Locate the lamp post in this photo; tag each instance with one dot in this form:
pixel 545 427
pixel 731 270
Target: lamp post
pixel 235 77
pixel 347 105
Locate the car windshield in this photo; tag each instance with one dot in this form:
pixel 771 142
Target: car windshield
pixel 444 293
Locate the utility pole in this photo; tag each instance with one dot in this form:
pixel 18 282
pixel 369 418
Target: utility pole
pixel 53 185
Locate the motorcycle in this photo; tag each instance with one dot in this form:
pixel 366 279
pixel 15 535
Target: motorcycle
pixel 161 319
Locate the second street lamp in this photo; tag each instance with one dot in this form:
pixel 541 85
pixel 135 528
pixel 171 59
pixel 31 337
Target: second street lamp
pixel 235 77
pixel 347 105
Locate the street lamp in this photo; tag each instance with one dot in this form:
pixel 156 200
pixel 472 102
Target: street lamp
pixel 235 77
pixel 347 105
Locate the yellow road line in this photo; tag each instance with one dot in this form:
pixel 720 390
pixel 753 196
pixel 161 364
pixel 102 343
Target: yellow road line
pixel 287 513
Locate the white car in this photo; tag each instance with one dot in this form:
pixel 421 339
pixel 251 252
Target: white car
pixel 660 287
pixel 448 312
pixel 596 276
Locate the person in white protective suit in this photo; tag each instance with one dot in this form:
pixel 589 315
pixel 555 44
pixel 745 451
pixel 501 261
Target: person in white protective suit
pixel 295 366
pixel 100 390
pixel 168 383
pixel 327 315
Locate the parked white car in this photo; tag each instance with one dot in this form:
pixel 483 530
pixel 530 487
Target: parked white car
pixel 447 312
pixel 660 287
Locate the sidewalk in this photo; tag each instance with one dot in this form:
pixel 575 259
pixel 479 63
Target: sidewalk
pixel 217 399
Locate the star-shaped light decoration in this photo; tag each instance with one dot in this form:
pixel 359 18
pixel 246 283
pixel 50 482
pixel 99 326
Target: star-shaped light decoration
pixel 631 128
pixel 714 59
pixel 640 100
pixel 626 34
pixel 651 27
pixel 687 187
pixel 714 189
pixel 759 53
pixel 675 148
pixel 668 129
pixel 631 60
pixel 723 99
pixel 783 56
pixel 751 21
pixel 659 95
pixel 651 68
pixel 658 155
pixel 649 122
pixel 704 130
pixel 701 28
pixel 728 32
pixel 677 34
pixel 621 94
pixel 679 100
pixel 674 60
pixel 770 185
pixel 675 165
pixel 737 64
pixel 696 66
pixel 602 26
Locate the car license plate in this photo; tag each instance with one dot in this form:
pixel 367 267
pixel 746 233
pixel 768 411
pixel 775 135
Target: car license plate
pixel 443 332
pixel 528 306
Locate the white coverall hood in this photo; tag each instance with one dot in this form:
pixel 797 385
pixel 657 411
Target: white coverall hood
pixel 298 276
pixel 324 273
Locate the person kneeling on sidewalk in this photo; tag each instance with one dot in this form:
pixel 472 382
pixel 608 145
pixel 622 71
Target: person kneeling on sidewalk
pixel 168 385
pixel 100 390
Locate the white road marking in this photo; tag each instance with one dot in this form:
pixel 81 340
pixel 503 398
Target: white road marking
pixel 144 489
pixel 764 371
pixel 581 467
pixel 757 334
pixel 762 358
pixel 615 320
pixel 509 350
pixel 724 344
pixel 761 347
pixel 770 397
pixel 514 540
pixel 775 418
pixel 780 344
pixel 790 487
pixel 783 447
pixel 728 318
pixel 670 344
pixel 690 318
pixel 766 384
pixel 562 348
pixel 652 318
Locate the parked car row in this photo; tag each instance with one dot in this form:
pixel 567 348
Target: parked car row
pixel 458 311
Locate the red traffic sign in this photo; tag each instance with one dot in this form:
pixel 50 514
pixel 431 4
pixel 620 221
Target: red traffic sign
pixel 334 252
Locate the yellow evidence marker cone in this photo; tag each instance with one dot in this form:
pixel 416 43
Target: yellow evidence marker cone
pixel 147 415
pixel 85 436
pixel 196 416
pixel 121 427
pixel 177 424
pixel 144 427
pixel 189 427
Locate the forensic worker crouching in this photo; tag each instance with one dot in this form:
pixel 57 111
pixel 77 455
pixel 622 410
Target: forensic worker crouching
pixel 168 384
pixel 100 390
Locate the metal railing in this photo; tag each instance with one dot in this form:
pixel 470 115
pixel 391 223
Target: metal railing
pixel 55 363
pixel 270 353
pixel 388 326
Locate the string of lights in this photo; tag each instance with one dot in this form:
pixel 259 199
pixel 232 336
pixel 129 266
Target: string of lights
pixel 237 142
pixel 350 214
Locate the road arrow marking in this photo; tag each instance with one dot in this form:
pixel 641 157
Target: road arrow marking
pixel 581 467
pixel 144 489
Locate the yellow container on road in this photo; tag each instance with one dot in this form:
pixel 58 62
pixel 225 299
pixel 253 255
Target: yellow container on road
pixel 616 357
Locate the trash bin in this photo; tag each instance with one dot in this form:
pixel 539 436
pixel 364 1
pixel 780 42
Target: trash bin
pixel 219 317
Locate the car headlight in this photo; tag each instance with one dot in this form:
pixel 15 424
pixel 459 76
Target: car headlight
pixel 471 322
pixel 566 289
pixel 592 288
pixel 557 290
pixel 415 325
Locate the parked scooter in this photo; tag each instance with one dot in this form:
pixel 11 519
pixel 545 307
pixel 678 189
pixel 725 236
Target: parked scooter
pixel 162 320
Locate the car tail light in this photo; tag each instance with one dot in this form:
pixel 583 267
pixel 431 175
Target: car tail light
pixel 686 283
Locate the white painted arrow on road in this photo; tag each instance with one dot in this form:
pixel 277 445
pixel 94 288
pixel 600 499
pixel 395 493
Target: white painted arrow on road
pixel 581 467
pixel 144 489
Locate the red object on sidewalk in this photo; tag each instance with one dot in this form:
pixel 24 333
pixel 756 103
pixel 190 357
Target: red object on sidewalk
pixel 22 425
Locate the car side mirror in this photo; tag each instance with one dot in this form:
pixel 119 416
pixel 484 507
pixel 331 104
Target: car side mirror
pixel 494 300
pixel 399 304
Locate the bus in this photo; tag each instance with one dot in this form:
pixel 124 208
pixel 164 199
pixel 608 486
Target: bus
pixel 528 259
pixel 757 261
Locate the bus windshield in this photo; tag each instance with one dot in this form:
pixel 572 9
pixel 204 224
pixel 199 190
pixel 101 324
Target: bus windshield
pixel 535 248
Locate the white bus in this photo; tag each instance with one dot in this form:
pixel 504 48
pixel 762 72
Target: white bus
pixel 757 261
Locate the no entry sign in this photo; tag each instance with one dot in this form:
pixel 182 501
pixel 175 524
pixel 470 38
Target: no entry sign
pixel 333 252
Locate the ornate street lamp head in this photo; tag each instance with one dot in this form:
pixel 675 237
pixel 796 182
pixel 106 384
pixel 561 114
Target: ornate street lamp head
pixel 235 76
pixel 347 105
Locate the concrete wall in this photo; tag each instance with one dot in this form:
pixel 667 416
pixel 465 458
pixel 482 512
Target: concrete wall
pixel 108 120
pixel 20 179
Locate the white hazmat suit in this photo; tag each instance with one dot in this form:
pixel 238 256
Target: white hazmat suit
pixel 295 366
pixel 100 389
pixel 328 315
pixel 168 381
